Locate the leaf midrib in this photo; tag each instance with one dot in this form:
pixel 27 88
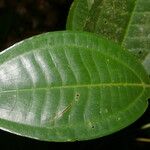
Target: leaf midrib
pixel 100 85
pixel 113 114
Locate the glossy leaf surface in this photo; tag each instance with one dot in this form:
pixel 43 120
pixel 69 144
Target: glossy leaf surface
pixel 125 21
pixel 68 86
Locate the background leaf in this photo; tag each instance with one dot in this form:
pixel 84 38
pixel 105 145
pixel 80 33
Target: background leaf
pixel 137 38
pixel 78 14
pixel 126 22
pixel 68 86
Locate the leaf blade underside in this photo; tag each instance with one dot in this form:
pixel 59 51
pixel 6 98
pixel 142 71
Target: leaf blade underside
pixel 127 22
pixel 68 86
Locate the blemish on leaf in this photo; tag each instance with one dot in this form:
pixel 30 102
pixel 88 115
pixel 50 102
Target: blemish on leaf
pixel 107 60
pixel 118 118
pixel 62 112
pixel 139 52
pixel 100 112
pixel 93 126
pixel 77 96
pixel 106 110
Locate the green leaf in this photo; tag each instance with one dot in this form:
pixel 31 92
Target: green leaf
pixel 78 14
pixel 127 22
pixel 106 17
pixel 137 38
pixel 67 86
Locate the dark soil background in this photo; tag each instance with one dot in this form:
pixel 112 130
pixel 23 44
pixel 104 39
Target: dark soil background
pixel 20 19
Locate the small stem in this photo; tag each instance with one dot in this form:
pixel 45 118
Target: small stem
pixel 146 126
pixel 143 140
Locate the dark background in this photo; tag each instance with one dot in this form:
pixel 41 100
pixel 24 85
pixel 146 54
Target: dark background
pixel 20 19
